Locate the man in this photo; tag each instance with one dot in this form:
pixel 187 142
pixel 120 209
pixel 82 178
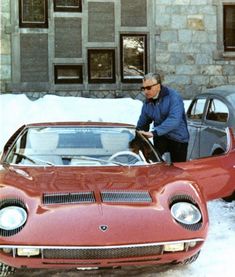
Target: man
pixel 165 108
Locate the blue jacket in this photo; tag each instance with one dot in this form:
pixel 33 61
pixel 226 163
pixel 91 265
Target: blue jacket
pixel 167 114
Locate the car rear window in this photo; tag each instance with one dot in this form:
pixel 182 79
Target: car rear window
pixel 196 109
pixel 217 111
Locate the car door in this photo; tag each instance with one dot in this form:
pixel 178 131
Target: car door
pixel 214 175
pixel 195 117
pixel 212 137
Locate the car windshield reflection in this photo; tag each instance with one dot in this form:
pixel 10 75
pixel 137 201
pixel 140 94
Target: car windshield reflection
pixel 81 146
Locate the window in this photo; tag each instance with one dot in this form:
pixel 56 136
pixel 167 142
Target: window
pixel 33 14
pixel 229 27
pixel 68 5
pixel 196 109
pixel 133 57
pixel 106 46
pixel 68 74
pixel 217 111
pixel 101 66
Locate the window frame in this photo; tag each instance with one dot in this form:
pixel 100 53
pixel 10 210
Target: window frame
pixel 214 114
pixel 225 7
pixel 91 80
pixel 193 111
pixel 68 8
pixel 145 59
pixel 67 80
pixel 32 24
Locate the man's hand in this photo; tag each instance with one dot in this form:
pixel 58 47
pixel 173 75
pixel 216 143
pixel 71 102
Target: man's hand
pixel 146 134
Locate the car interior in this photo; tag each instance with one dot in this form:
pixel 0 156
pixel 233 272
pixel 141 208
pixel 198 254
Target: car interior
pixel 81 146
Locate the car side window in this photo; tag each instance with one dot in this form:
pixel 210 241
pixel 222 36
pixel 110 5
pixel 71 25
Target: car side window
pixel 217 111
pixel 196 110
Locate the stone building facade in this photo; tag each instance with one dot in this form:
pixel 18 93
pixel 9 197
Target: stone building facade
pixel 97 48
pixel 5 45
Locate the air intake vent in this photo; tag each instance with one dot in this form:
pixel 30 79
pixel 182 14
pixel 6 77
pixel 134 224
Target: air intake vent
pixel 99 253
pixel 126 196
pixel 67 198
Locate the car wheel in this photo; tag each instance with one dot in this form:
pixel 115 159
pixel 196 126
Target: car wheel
pixel 229 198
pixel 6 270
pixel 191 259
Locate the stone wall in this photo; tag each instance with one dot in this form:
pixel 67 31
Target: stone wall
pixel 187 45
pixel 5 44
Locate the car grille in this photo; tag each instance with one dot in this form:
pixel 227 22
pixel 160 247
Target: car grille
pixel 92 254
pixel 64 198
pixel 99 253
pixel 89 197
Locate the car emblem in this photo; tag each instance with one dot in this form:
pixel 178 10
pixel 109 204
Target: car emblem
pixel 103 228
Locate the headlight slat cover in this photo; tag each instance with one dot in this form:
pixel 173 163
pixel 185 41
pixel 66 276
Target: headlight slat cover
pixel 187 214
pixel 13 216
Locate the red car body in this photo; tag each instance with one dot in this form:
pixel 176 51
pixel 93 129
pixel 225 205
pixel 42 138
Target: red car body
pixel 108 230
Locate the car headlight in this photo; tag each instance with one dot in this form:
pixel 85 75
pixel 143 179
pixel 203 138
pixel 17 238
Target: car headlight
pixel 12 217
pixel 186 213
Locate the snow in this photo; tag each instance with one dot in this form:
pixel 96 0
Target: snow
pixel 217 255
pixel 18 110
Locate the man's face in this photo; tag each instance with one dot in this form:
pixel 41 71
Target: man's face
pixel 151 88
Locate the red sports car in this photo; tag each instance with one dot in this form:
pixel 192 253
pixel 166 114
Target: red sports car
pixel 81 195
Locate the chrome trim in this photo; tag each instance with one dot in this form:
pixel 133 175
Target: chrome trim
pixel 103 247
pixel 229 140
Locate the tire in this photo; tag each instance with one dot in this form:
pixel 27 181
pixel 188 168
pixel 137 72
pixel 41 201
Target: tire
pixel 6 270
pixel 191 259
pixel 229 198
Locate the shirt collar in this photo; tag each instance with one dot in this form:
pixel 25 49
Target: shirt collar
pixel 163 92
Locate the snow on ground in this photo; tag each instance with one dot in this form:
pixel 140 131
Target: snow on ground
pixel 217 255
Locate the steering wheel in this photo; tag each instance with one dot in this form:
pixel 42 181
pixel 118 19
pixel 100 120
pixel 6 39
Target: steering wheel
pixel 134 157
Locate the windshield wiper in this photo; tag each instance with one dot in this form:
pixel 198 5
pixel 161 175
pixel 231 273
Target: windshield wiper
pixel 34 161
pixel 98 160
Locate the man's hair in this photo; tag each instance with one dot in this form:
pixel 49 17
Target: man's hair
pixel 155 76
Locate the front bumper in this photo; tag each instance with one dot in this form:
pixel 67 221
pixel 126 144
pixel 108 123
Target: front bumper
pixel 99 256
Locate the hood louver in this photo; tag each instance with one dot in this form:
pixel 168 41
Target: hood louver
pixel 89 197
pixel 66 198
pixel 126 196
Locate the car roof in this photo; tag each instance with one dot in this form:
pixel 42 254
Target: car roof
pixel 80 124
pixel 224 91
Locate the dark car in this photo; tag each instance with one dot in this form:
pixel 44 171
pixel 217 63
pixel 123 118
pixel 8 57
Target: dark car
pixel 208 116
pixel 86 194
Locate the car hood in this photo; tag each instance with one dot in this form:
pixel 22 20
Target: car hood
pixel 70 224
pixel 37 180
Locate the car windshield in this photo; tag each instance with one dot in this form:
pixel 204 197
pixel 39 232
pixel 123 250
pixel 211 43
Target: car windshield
pixel 81 146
